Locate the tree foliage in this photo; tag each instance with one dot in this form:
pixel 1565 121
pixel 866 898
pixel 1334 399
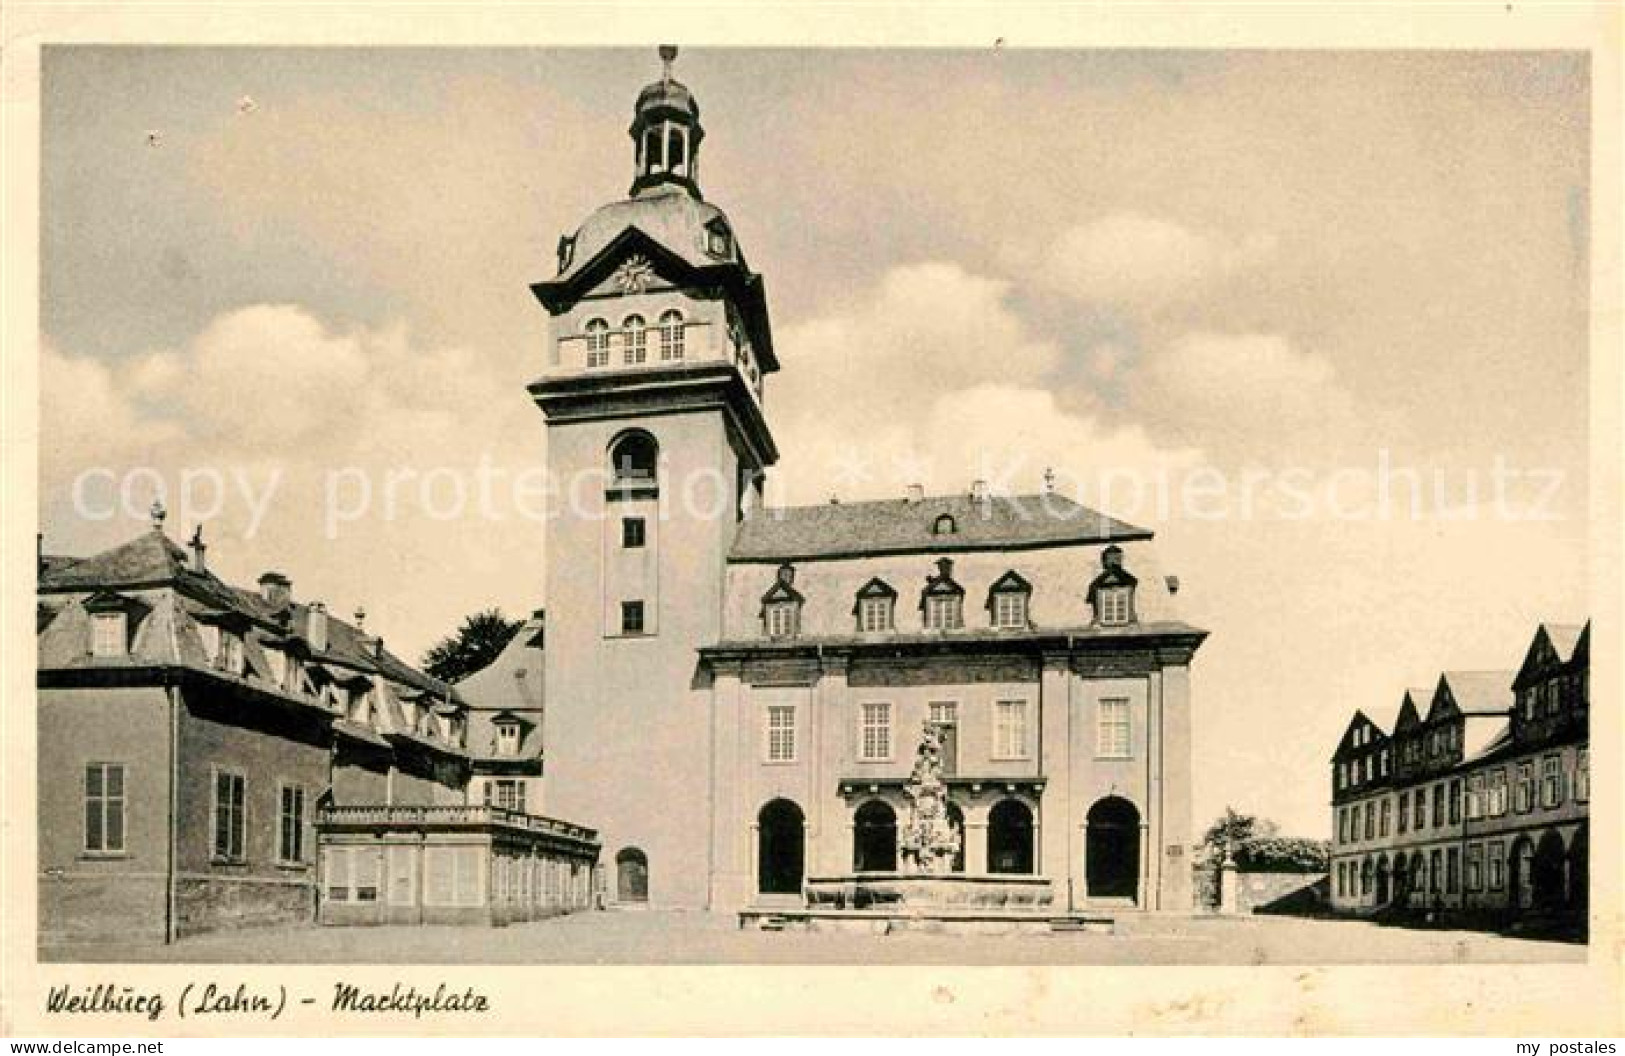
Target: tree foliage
pixel 474 645
pixel 1254 845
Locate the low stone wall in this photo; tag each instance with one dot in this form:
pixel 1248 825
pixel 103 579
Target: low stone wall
pixel 1263 892
pixel 214 903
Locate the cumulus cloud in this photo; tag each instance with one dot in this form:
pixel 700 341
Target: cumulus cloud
pixel 1135 261
pixel 270 413
pixel 1231 385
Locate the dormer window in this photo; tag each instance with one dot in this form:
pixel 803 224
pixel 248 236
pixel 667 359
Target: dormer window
pixel 781 605
pixel 508 738
pixel 671 335
pixel 597 331
pixel 875 608
pixel 231 652
pixel 636 339
pixel 944 525
pixel 943 601
pixel 1112 592
pixel 110 623
pixel 109 635
pixel 1007 602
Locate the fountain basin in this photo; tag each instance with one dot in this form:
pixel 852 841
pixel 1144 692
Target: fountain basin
pixel 928 891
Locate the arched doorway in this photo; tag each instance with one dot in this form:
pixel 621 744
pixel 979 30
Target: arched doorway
pixel 1521 874
pixel 956 821
pixel 781 848
pixel 1382 880
pixel 1579 870
pixel 631 875
pixel 1551 861
pixel 874 838
pixel 1112 849
pixel 1010 837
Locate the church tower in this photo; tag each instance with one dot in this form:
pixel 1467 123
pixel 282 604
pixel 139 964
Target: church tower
pixel 658 343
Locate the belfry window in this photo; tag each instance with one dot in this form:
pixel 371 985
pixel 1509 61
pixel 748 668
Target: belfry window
pixel 654 157
pixel 671 335
pixel 633 459
pixel 597 343
pixel 637 341
pixel 676 148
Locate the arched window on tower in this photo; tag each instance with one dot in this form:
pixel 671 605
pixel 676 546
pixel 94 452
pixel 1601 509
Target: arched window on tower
pixel 676 148
pixel 633 459
pixel 597 343
pixel 654 156
pixel 671 335
pixel 637 341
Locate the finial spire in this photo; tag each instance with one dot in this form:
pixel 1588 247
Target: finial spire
pixel 158 514
pixel 668 55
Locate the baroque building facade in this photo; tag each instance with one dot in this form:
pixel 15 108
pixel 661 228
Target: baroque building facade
pixel 1477 802
pixel 735 692
pixel 212 756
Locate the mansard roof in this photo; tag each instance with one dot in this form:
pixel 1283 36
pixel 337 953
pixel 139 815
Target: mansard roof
pixel 904 526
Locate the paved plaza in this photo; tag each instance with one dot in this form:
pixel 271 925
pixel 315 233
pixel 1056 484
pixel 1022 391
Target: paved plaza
pixel 659 937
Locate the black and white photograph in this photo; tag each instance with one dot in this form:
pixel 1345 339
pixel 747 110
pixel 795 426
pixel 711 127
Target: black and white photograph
pixel 527 508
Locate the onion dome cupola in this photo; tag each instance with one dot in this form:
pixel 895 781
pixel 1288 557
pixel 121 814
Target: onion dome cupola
pixel 666 133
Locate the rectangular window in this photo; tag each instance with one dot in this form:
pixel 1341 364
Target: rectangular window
pixel 1455 802
pixel 508 739
pixel 874 741
pixel 1438 805
pixel 633 532
pixel 1420 820
pixel 230 815
pixel 1498 793
pixel 1010 610
pixel 1475 867
pixel 1112 731
pixel 1497 865
pixel 1435 871
pixel 874 614
pixel 1582 776
pixel 1523 794
pixel 781 733
pixel 107 634
pixel 506 794
pixel 944 612
pixel 1114 605
pixel 944 712
pixel 1452 870
pixel 631 617
pixel 209 635
pixel 1370 821
pixel 290 846
pixel 1551 781
pixel 1010 729
pixel 352 874
pixel 1475 797
pixel 781 619
pixel 1387 810
pixel 104 808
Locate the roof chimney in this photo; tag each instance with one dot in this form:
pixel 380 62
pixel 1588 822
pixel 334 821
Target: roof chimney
pixel 276 589
pixel 1173 584
pixel 360 617
pixel 198 550
pixel 916 493
pixel 978 493
pixel 316 627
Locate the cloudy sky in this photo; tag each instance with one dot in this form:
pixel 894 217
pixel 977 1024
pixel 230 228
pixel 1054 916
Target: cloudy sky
pixel 1288 269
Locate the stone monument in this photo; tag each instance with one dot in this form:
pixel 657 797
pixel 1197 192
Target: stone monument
pixel 927 841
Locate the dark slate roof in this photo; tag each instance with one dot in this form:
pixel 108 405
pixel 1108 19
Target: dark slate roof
pixel 148 558
pixel 901 526
pixel 511 684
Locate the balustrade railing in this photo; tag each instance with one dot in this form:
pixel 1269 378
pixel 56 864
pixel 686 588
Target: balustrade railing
pixel 455 814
